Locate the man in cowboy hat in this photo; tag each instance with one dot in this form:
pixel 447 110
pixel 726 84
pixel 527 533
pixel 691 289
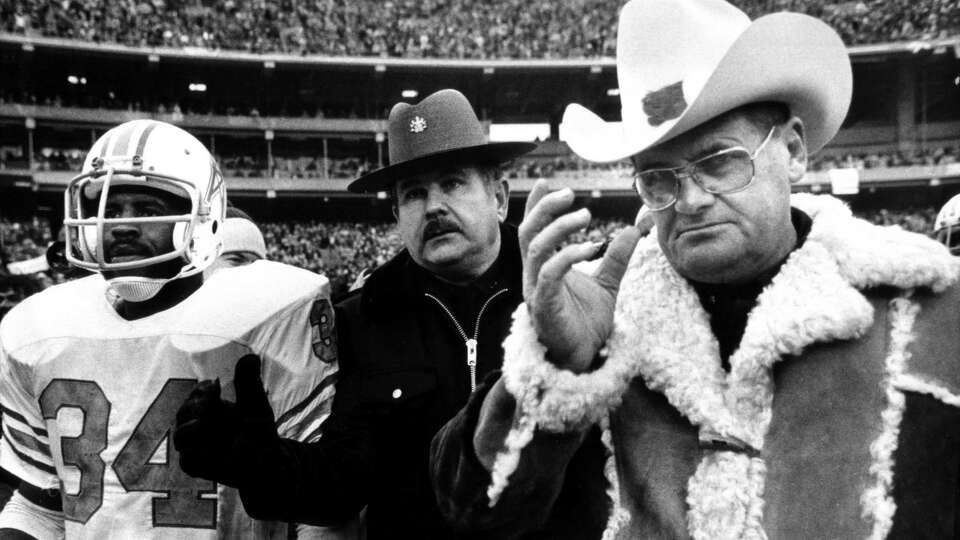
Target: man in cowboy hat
pixel 414 341
pixel 763 365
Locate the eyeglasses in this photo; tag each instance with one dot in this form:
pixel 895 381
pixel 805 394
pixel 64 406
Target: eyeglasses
pixel 728 171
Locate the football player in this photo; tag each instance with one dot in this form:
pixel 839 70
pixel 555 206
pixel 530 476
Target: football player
pixel 93 371
pixel 946 228
pixel 243 242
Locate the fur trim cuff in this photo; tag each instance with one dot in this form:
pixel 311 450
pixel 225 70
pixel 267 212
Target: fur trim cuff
pixel 506 462
pixel 557 400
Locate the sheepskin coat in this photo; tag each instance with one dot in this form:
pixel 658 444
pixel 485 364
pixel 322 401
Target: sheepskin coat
pixel 838 418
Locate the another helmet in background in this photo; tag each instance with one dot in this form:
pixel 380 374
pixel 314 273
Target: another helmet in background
pixel 946 228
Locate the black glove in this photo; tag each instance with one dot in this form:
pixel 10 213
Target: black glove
pixel 226 442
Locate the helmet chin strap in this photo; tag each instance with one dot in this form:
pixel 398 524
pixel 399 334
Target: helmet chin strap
pixel 136 288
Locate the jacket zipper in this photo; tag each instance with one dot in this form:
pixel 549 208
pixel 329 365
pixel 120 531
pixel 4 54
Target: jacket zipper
pixel 469 342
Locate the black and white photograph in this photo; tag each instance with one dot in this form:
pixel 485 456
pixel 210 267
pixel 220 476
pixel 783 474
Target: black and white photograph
pixel 468 270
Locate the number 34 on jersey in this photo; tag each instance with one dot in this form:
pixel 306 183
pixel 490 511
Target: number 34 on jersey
pixel 89 400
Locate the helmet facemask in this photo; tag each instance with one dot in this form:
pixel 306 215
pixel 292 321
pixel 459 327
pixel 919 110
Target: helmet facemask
pixel 86 224
pixel 950 237
pixel 153 156
pixel 946 226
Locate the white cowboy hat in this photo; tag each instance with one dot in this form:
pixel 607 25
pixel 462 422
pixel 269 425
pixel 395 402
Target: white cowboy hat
pixel 683 62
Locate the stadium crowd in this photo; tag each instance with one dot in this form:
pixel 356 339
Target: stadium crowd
pixel 341 251
pixel 934 155
pixel 295 167
pixel 930 155
pixel 51 159
pixel 21 241
pixel 424 28
pixel 246 166
pixel 174 112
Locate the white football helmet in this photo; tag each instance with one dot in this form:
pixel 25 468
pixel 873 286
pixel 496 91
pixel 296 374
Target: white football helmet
pixel 947 225
pixel 155 155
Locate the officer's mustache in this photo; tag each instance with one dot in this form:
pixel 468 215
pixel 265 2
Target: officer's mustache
pixel 439 226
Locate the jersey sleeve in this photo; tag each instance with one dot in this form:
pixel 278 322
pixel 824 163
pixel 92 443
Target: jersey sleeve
pixel 299 364
pixel 25 445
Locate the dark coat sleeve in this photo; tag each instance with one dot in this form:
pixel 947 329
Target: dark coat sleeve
pixel 557 491
pixel 326 482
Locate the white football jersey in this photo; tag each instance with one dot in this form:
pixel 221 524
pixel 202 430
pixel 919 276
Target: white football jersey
pixel 89 399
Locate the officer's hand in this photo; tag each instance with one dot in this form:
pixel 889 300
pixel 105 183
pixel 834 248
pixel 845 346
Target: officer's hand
pixel 571 311
pixel 222 441
pixel 205 428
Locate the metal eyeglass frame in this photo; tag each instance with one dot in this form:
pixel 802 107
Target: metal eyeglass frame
pixel 689 169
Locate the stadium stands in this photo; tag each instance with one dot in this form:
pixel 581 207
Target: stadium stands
pixel 295 167
pixel 278 126
pixel 173 108
pixel 312 167
pixel 21 240
pixel 939 155
pixel 342 250
pixel 425 28
pixel 932 155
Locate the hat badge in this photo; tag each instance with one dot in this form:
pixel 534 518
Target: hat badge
pixel 418 124
pixel 664 104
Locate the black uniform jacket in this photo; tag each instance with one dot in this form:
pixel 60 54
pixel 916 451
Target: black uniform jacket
pixel 404 372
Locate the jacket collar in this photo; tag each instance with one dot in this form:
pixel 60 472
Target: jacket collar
pixel 400 280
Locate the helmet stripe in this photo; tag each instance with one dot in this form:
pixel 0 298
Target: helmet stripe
pixel 215 181
pixel 108 137
pixel 143 138
pixel 122 139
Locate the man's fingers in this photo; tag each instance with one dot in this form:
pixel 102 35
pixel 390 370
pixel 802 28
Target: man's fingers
pixel 540 215
pixel 544 245
pixel 192 435
pixel 202 400
pixel 540 188
pixel 553 271
pixel 644 220
pixel 548 297
pixel 615 260
pixel 252 399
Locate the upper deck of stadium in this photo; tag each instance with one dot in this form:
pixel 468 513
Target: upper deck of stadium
pixel 292 94
pixel 428 29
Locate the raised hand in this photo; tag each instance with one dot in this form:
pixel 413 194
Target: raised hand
pixel 571 311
